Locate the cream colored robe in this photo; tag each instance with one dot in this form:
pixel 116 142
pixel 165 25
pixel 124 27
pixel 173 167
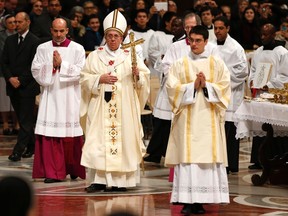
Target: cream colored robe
pixel 113 131
pixel 197 132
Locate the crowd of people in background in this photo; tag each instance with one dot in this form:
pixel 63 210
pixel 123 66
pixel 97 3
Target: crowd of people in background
pixel 222 29
pixel 85 17
pixel 158 27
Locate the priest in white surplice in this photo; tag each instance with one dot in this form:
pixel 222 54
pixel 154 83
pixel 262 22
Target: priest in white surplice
pixel 274 53
pixel 159 43
pixel 113 95
pixel 56 67
pixel 234 56
pixel 199 93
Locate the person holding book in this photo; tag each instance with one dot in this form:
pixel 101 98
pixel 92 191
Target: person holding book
pixel 277 56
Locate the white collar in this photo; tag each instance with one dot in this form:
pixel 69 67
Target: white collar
pixel 202 55
pixel 24 34
pixel 112 53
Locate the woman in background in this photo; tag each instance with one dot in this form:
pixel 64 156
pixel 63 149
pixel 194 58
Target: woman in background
pixel 249 36
pixel 9 25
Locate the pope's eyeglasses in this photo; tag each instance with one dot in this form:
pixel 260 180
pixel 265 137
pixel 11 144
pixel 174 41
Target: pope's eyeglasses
pixel 110 36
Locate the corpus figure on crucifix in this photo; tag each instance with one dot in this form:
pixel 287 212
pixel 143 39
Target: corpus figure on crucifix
pixel 110 111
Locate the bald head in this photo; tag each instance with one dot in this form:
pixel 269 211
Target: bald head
pixel 59 30
pixel 267 34
pixel 269 28
pixel 22 22
pixel 59 22
pixel 24 15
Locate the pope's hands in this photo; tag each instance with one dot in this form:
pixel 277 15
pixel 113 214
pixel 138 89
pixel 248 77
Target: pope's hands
pixel 108 79
pixel 135 72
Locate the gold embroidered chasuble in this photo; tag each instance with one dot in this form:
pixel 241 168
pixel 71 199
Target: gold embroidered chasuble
pixel 113 130
pixel 197 132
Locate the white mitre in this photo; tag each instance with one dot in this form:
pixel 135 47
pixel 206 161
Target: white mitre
pixel 115 21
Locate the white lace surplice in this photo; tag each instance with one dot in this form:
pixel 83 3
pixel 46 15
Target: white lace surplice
pixel 200 183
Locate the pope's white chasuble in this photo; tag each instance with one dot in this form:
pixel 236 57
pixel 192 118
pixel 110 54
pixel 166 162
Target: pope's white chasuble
pixel 112 129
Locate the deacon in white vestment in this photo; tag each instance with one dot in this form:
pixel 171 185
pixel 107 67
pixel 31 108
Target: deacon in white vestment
pixel 56 67
pixel 233 55
pixel 162 109
pixel 113 96
pixel 198 87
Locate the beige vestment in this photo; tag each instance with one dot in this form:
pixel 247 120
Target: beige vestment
pixel 197 133
pixel 113 131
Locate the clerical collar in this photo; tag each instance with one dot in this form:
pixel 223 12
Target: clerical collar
pixel 272 45
pixel 64 43
pixel 174 39
pixel 209 27
pixel 202 55
pixel 137 29
pixel 220 42
pixel 166 31
pixel 112 53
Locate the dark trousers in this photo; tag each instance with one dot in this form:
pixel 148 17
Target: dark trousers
pixel 232 146
pixel 256 142
pixel 24 109
pixel 159 140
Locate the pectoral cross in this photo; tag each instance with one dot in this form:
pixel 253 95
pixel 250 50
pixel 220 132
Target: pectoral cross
pixel 132 44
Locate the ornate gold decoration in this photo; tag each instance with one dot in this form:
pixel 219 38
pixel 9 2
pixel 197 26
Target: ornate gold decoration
pixel 113 133
pixel 132 44
pixel 280 95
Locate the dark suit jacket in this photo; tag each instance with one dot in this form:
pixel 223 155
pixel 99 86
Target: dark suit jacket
pixel 42 24
pixel 16 61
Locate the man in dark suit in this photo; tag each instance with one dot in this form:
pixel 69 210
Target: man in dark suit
pixel 41 26
pixel 18 53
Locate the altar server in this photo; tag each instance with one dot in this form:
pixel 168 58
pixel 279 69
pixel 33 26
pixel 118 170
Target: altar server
pixel 56 67
pixel 233 55
pixel 273 53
